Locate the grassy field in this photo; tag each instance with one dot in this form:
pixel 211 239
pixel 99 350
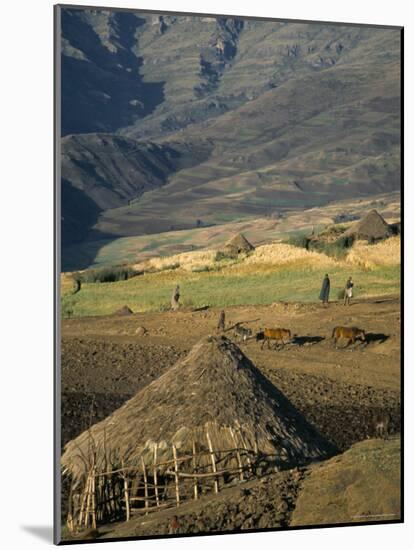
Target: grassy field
pixel 271 273
pixel 257 230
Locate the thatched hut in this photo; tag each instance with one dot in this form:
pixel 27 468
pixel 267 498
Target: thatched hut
pixel 237 245
pixel 211 419
pixel 371 227
pixel 124 310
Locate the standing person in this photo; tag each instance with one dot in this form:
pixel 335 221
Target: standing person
pixel 324 294
pixel 222 321
pixel 348 292
pixel 175 298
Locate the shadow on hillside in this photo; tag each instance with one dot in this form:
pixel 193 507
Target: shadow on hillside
pixel 113 75
pixel 81 255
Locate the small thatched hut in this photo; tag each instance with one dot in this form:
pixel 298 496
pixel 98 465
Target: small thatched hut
pixel 211 419
pixel 124 310
pixel 371 227
pixel 236 245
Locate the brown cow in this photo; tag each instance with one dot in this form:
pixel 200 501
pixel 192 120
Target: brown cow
pixel 350 333
pixel 280 335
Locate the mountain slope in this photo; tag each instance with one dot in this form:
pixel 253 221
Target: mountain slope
pixel 276 115
pixel 101 171
pixel 324 137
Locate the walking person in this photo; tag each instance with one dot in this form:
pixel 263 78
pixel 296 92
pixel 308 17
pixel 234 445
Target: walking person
pixel 324 294
pixel 348 292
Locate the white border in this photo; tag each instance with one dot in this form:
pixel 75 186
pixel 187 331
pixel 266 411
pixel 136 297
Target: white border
pixel 26 280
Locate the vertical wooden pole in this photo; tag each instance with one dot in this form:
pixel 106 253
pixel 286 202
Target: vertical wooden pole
pixel 239 460
pixel 114 500
pixel 106 497
pixel 99 499
pixel 213 462
pixel 69 520
pixel 88 501
pixel 144 470
pixel 127 506
pixel 157 499
pixel 177 487
pixel 194 471
pixel 249 462
pixel 83 503
pixel 93 499
pixel 110 493
pixel 126 494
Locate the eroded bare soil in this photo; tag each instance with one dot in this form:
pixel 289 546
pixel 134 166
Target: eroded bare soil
pixel 106 360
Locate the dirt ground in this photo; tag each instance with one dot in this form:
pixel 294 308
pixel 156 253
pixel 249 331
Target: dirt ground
pixel 106 360
pixel 347 488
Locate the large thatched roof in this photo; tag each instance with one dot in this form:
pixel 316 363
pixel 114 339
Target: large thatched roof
pixel 215 388
pixel 371 226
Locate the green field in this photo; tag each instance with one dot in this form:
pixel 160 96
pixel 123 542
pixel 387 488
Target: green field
pixel 152 291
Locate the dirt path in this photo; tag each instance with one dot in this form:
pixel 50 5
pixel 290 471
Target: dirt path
pixel 104 361
pixel 377 364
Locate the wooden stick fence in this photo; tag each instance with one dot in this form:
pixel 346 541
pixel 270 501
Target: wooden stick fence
pixel 116 492
pixel 195 471
pixel 213 462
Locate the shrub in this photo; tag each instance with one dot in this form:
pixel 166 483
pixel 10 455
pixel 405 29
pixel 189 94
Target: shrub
pixel 67 304
pixel 204 268
pixel 221 255
pixel 169 267
pixel 345 241
pixel 333 231
pixel 341 218
pixel 300 241
pixel 107 275
pixel 337 249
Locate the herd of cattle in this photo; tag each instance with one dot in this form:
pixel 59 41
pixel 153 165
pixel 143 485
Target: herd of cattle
pixel 282 336
pixel 381 421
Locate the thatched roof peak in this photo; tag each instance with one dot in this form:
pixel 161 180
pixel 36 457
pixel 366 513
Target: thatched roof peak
pixel 240 243
pixel 215 388
pixel 371 226
pixel 124 310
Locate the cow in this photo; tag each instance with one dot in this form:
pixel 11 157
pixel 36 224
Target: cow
pixel 350 333
pixel 243 332
pixel 280 335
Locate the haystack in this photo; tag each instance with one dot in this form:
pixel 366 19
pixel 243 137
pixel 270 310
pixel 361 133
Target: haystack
pixel 238 244
pixel 211 419
pixel 370 227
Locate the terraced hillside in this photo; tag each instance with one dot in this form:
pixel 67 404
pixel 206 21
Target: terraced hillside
pixel 248 119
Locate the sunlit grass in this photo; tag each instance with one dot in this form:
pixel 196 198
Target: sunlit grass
pixel 369 256
pixel 152 292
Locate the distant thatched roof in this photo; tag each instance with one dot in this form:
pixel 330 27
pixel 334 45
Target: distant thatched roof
pixel 216 389
pixel 124 310
pixel 371 226
pixel 239 243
